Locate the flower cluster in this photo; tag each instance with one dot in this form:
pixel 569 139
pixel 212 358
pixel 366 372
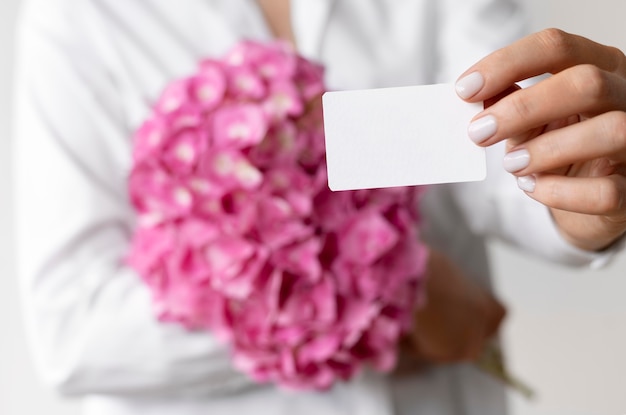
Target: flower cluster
pixel 238 233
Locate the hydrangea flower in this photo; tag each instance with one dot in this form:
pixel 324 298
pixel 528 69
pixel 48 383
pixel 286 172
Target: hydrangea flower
pixel 238 233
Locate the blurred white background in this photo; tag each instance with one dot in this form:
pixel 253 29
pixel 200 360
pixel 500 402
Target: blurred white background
pixel 566 330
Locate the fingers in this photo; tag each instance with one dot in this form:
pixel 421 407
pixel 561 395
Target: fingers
pixel 603 136
pixel 566 135
pixel 508 91
pixel 495 315
pixel 583 89
pixel 592 196
pixel 548 51
pixel 458 316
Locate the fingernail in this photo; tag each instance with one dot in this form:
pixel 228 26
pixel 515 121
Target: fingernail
pixel 482 128
pixel 469 85
pixel 516 160
pixel 526 183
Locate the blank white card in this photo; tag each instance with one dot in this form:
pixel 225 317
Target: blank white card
pixel 400 137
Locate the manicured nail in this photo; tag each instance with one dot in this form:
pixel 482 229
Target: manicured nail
pixel 516 160
pixel 482 128
pixel 526 183
pixel 469 85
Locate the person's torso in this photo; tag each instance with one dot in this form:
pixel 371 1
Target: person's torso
pixel 363 44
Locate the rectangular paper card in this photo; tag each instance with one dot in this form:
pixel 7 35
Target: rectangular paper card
pixel 400 137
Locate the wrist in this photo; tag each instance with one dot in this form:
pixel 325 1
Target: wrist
pixel 589 233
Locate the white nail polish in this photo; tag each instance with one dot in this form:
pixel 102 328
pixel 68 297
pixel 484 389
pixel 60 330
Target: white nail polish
pixel 482 128
pixel 527 183
pixel 516 160
pixel 469 85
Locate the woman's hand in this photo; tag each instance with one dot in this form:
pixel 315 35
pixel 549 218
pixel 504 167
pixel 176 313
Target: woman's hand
pixel 566 135
pixel 458 318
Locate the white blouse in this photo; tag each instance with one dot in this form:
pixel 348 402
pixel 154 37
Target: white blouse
pixel 88 72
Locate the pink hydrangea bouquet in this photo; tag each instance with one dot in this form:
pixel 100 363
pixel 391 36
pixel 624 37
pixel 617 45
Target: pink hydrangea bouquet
pixel 239 234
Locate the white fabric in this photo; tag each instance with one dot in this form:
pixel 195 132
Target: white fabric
pixel 88 71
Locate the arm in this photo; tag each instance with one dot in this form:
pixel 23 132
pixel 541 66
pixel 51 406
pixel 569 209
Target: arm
pixel 458 317
pixel 496 207
pixel 90 320
pixel 566 135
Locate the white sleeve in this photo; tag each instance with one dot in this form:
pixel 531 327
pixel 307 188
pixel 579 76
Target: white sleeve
pixel 90 321
pixel 471 29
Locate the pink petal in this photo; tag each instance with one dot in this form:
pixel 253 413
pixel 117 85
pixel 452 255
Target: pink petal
pixel 288 363
pixel 148 246
pixel 209 86
pixel 174 97
pixel 280 146
pixel 235 265
pixel 333 209
pixel 366 238
pixel 386 360
pixel 291 336
pixel 310 78
pixel 226 256
pixel 182 153
pixel 197 233
pixel 300 202
pixel 239 126
pixel 319 349
pixel 324 296
pixel 274 209
pixel 245 83
pixel 149 139
pixel 301 259
pixel 283 100
pixel 356 316
pixel 232 170
pixel 280 234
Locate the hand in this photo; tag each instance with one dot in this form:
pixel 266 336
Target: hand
pixel 458 318
pixel 566 135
